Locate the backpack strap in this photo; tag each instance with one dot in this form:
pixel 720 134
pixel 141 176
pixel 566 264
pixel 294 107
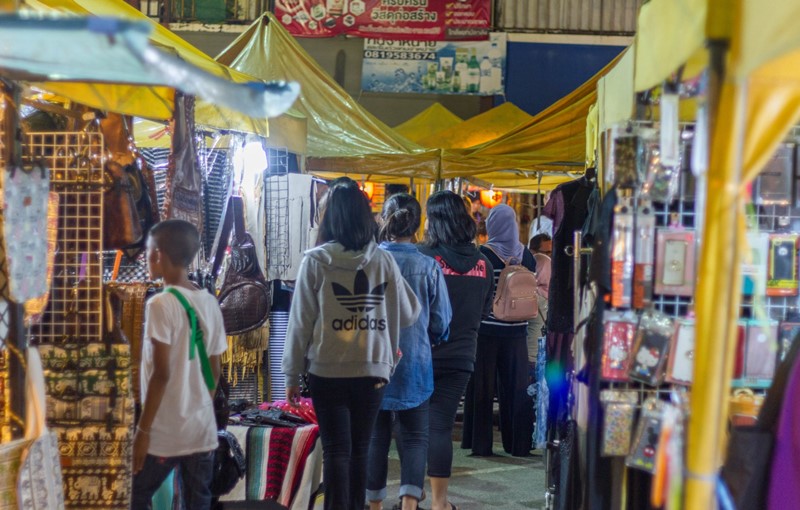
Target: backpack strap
pixel 504 261
pixel 196 340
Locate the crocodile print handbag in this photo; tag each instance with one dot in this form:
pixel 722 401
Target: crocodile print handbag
pixel 245 296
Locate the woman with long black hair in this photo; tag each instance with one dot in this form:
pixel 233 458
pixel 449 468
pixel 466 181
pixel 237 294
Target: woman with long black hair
pixel 349 305
pixel 467 273
pixel 406 399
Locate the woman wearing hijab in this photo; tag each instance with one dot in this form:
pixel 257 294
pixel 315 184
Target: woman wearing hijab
pixel 502 355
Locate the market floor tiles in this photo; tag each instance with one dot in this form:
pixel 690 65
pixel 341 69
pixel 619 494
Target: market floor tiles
pixel 499 482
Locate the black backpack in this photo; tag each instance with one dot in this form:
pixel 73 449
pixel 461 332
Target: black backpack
pixel 229 464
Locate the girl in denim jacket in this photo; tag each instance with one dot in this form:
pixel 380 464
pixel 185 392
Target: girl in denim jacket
pixel 406 397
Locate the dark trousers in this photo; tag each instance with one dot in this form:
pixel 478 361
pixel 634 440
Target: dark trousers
pixel 412 447
pixel 346 409
pixel 503 360
pixel 195 470
pixel 448 388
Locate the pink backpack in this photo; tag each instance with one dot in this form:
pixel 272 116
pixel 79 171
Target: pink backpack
pixel 516 296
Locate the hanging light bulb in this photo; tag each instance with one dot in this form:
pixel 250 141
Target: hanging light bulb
pixel 368 188
pixel 491 198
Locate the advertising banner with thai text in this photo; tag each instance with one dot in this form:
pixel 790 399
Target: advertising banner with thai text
pixel 476 67
pixel 409 20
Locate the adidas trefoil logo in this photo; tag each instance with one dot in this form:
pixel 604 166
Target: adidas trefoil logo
pixel 362 299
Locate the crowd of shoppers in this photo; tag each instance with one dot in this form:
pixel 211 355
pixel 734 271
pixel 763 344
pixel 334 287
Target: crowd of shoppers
pixel 394 334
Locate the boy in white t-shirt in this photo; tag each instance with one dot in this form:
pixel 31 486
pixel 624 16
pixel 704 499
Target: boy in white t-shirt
pixel 177 427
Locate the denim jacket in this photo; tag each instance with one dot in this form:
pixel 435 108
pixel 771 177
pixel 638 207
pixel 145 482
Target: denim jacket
pixel 412 382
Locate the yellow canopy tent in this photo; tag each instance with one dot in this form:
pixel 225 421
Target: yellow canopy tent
pixel 552 142
pixel 479 129
pixel 342 136
pixel 152 102
pixel 432 119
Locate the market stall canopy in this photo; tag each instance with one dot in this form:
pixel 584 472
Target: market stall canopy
pixel 142 101
pixel 432 119
pixel 286 131
pixel 766 71
pixel 552 142
pixel 671 34
pixel 342 135
pixel 110 50
pixel 615 92
pixel 479 129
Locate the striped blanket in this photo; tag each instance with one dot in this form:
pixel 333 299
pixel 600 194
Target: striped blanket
pixel 283 464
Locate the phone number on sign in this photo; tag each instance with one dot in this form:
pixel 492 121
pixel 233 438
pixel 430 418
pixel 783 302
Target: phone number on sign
pixel 400 55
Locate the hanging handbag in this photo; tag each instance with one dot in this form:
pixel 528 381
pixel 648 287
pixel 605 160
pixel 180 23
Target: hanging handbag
pixel 184 198
pixel 25 195
pixel 128 209
pixel 244 296
pixel 229 464
pixel 40 481
pixel 121 224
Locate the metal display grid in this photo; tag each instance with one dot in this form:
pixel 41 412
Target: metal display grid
pixel 76 173
pixel 276 191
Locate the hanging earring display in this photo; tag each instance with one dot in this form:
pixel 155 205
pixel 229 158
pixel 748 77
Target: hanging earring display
pixel 650 348
pixel 644 256
pixel 622 255
pixel 760 349
pixel 680 369
pixel 619 411
pixel 645 443
pixel 754 267
pixel 774 184
pixel 782 272
pixel 619 330
pixel 675 252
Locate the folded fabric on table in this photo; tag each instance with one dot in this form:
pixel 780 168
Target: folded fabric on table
pixel 276 460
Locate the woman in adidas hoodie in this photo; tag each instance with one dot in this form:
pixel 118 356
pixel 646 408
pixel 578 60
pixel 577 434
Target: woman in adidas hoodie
pixel 349 304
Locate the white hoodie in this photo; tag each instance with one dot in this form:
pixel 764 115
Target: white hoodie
pixel 347 311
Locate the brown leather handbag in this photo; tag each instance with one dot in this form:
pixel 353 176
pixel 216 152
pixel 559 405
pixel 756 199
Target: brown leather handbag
pixel 245 297
pixel 121 224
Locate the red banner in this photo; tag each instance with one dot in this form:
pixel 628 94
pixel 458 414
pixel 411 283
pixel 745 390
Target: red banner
pixel 410 20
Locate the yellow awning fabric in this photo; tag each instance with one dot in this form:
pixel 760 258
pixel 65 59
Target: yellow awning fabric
pixel 669 34
pixel 592 134
pixel 615 92
pixel 553 141
pixel 479 129
pixel 431 120
pixel 342 135
pixel 286 131
pixel 770 32
pixel 149 102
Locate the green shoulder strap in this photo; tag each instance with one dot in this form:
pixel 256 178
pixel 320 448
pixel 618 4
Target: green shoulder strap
pixel 196 340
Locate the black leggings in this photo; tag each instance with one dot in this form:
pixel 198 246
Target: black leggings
pixel 346 409
pixel 448 388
